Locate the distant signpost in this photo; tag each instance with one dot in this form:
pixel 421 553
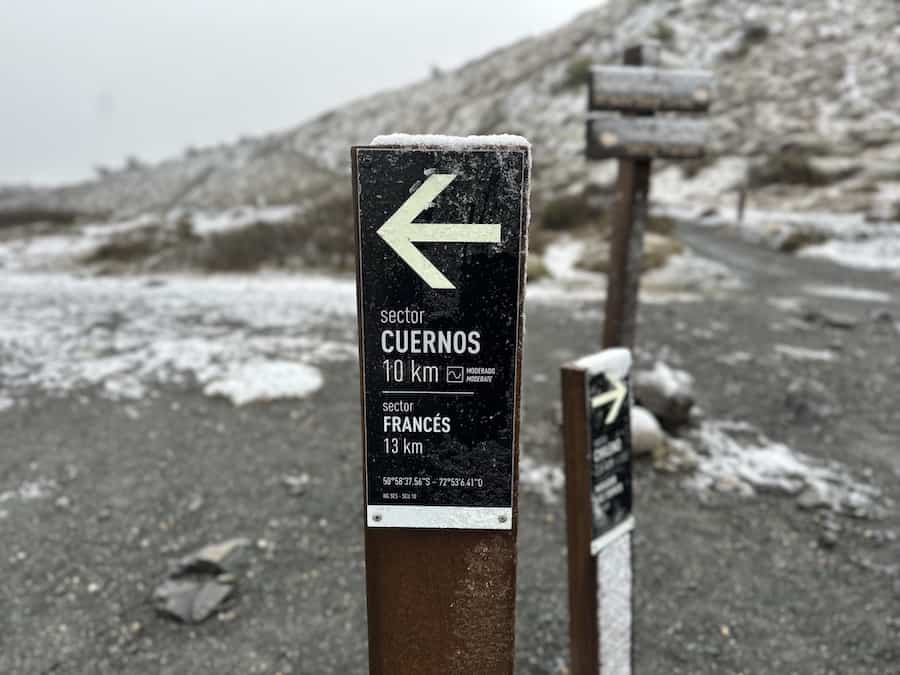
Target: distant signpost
pixel 441 228
pixel 597 440
pixel 636 92
pixel 595 390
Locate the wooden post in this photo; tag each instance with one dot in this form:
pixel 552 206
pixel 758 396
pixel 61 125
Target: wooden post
pixel 597 437
pixel 637 91
pixel 597 446
pixel 583 633
pixel 628 227
pixel 441 331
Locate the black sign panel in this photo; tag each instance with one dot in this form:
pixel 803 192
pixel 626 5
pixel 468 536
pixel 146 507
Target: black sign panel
pixel 610 444
pixel 441 257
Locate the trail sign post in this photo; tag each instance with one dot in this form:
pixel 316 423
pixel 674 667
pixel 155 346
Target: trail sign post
pixel 597 442
pixel 441 232
pixel 637 92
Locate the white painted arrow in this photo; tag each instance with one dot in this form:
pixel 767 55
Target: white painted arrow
pixel 616 396
pixel 399 231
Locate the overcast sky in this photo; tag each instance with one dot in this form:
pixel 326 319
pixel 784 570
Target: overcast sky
pixel 84 83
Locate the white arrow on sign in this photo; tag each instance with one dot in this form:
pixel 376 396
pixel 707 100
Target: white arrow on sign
pixel 399 231
pixel 616 396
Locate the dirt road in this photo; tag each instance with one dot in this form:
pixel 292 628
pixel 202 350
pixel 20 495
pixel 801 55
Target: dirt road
pixel 98 493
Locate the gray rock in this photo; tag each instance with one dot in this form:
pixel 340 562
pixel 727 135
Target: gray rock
pixel 828 540
pixel 807 398
pixel 209 599
pixel 884 208
pixel 176 598
pixel 211 559
pixel 814 496
pixel 831 319
pixel 834 169
pixel 191 600
pixel 296 485
pixel 646 433
pixel 200 583
pixel 667 393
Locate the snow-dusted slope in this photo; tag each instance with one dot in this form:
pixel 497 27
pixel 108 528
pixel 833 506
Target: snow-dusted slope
pixel 816 76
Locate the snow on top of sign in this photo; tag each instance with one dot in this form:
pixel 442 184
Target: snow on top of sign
pixel 451 142
pixel 615 362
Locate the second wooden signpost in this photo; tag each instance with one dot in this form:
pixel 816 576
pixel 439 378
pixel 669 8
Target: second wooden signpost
pixel 622 124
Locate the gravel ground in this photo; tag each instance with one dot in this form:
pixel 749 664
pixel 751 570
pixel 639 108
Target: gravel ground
pixel 103 495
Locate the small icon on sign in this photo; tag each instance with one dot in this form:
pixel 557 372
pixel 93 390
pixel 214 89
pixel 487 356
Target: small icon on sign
pixel 455 375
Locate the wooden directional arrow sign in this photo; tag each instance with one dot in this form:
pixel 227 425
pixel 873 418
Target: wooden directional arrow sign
pixel 627 88
pixel 611 135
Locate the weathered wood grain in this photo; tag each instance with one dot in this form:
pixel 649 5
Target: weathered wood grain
pixel 611 135
pixel 627 88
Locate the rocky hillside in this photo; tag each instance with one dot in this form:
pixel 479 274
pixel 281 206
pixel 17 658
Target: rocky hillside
pixel 806 115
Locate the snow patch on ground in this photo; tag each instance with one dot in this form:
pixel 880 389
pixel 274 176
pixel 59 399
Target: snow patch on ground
pixel 689 272
pixel 46 251
pixel 265 381
pixel 736 458
pixel 788 304
pixel 805 354
pixel 561 258
pixel 735 358
pixel 848 293
pixel 850 240
pixel 685 277
pixel 708 186
pixel 544 480
pixel 567 282
pixel 241 337
pixel 60 251
pixel 880 253
pixel 205 223
pixel 40 488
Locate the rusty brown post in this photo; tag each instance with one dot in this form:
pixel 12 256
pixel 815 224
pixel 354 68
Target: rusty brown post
pixel 440 449
pixel 597 459
pixel 628 227
pixel 583 633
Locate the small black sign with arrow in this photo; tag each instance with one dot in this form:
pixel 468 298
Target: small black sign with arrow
pixel 609 403
pixel 441 229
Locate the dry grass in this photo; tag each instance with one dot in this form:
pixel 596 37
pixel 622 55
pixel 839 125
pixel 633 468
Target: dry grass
pixel 321 237
pixel 29 215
